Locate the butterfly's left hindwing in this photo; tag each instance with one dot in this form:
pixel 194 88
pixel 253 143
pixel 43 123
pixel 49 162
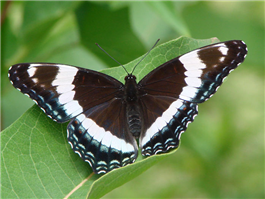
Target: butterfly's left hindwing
pixel 105 144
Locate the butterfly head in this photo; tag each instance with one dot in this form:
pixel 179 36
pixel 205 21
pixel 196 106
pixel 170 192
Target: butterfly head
pixel 130 77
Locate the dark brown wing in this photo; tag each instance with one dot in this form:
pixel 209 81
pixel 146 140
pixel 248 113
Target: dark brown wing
pixel 171 91
pixel 92 100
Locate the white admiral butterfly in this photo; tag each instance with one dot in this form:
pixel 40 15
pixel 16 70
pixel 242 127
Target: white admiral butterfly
pixel 107 117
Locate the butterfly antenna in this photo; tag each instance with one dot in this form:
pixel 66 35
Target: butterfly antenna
pixel 111 57
pixel 145 55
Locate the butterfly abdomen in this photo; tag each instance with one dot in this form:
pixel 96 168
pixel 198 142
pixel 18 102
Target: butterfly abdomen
pixel 134 120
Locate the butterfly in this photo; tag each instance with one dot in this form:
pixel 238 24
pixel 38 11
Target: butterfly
pixel 109 119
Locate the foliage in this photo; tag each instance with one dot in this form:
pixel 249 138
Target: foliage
pixel 221 154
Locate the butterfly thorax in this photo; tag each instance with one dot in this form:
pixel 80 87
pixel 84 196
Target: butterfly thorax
pixel 132 107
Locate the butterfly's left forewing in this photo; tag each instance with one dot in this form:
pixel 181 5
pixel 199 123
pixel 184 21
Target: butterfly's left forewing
pixel 62 91
pixel 181 83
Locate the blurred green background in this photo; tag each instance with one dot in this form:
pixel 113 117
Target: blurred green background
pixel 222 152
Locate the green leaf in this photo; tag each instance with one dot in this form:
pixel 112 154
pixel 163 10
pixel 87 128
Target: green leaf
pixel 30 24
pixel 37 161
pixel 158 56
pixel 118 177
pixel 166 11
pixel 45 15
pixel 109 28
pixel 153 20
